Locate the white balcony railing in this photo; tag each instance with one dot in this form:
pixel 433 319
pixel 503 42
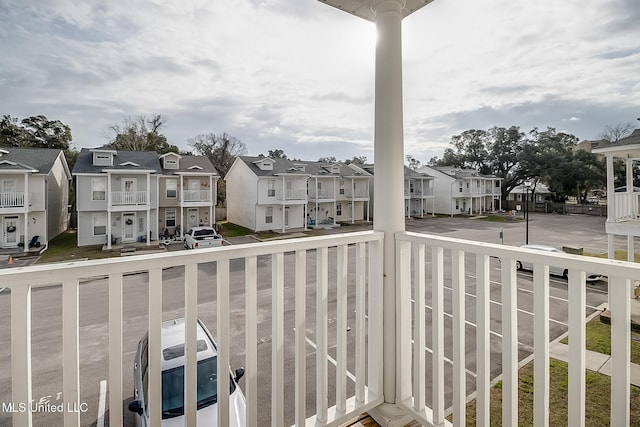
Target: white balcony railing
pixel 291 195
pixel 128 198
pixel 357 194
pixel 196 195
pixel 344 266
pixel 421 335
pixel 322 194
pixel 11 200
pixel 626 206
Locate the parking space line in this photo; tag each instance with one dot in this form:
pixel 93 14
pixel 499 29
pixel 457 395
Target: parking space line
pixel 330 359
pixel 101 403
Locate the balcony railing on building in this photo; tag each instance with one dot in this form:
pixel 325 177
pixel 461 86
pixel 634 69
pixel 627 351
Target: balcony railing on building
pixel 323 194
pixel 119 198
pixel 196 195
pixel 627 206
pixel 291 195
pixel 12 200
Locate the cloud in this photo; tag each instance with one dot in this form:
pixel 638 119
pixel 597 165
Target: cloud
pixel 299 75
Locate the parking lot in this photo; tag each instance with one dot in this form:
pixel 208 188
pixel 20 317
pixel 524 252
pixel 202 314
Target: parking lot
pixel 555 230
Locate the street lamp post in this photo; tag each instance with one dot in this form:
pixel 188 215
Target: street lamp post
pixel 527 186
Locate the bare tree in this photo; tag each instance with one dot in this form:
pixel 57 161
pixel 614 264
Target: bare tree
pixel 140 134
pixel 613 133
pixel 222 151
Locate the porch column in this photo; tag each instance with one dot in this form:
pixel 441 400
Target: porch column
pixel 353 198
pixel 388 215
pixel 611 205
pixel 149 209
pixel 213 193
pixel 25 214
pixel 109 201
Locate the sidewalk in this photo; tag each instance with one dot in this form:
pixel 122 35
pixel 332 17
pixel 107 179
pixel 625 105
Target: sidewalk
pixel 594 361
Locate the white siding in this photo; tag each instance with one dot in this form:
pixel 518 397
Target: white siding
pixel 241 195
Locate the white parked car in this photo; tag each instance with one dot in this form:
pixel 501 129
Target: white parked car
pixel 203 237
pixel 172 363
pixel 556 271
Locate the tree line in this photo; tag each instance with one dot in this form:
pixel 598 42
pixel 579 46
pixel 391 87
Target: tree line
pixel 546 156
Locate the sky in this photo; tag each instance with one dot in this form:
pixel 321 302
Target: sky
pixel 298 75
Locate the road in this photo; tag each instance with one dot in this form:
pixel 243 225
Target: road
pixel 557 230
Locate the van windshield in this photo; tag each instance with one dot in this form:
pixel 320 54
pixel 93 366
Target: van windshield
pixel 173 387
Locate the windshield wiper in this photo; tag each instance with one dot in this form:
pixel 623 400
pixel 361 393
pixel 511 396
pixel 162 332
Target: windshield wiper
pixel 171 413
pixel 208 401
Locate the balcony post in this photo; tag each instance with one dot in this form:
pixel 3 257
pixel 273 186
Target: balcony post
pixel 388 217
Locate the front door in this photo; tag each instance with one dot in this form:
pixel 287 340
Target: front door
pixel 128 188
pixel 10 232
pixel 128 227
pixel 193 219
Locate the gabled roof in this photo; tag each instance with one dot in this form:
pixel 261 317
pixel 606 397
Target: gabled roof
pixel 280 166
pixel 626 147
pixel 39 160
pixel 408 172
pixel 193 164
pixel 123 160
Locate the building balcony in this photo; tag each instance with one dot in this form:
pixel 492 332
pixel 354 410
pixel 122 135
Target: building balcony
pixel 333 346
pixel 417 194
pixel 128 198
pixel 12 200
pixel 324 195
pixel 357 195
pixel 196 196
pixel 626 207
pixel 291 196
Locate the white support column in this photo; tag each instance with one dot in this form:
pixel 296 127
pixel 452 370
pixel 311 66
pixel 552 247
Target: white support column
pixel 611 205
pixel 25 215
pixel 389 178
pixel 213 185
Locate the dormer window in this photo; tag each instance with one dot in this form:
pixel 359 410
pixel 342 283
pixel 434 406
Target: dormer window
pixel 171 160
pixel 335 169
pixel 102 159
pixel 299 167
pixel 265 164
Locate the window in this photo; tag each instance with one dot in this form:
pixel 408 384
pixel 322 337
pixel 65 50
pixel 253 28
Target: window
pixel 460 187
pixel 99 224
pixel 172 188
pixel 338 209
pixel 457 205
pixel 467 185
pixel 98 189
pixel 271 188
pixel 170 218
pixel 341 189
pixel 268 217
pixel 170 163
pixel 102 159
pixel 497 184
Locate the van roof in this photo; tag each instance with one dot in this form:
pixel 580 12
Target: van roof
pixel 173 339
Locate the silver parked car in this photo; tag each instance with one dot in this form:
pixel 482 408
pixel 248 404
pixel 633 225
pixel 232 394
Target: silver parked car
pixel 557 271
pixel 172 363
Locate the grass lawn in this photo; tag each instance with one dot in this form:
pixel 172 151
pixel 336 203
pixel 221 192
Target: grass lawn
pixel 64 247
pixel 501 218
pixel 597 402
pixel 619 255
pixel 599 339
pixel 228 229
